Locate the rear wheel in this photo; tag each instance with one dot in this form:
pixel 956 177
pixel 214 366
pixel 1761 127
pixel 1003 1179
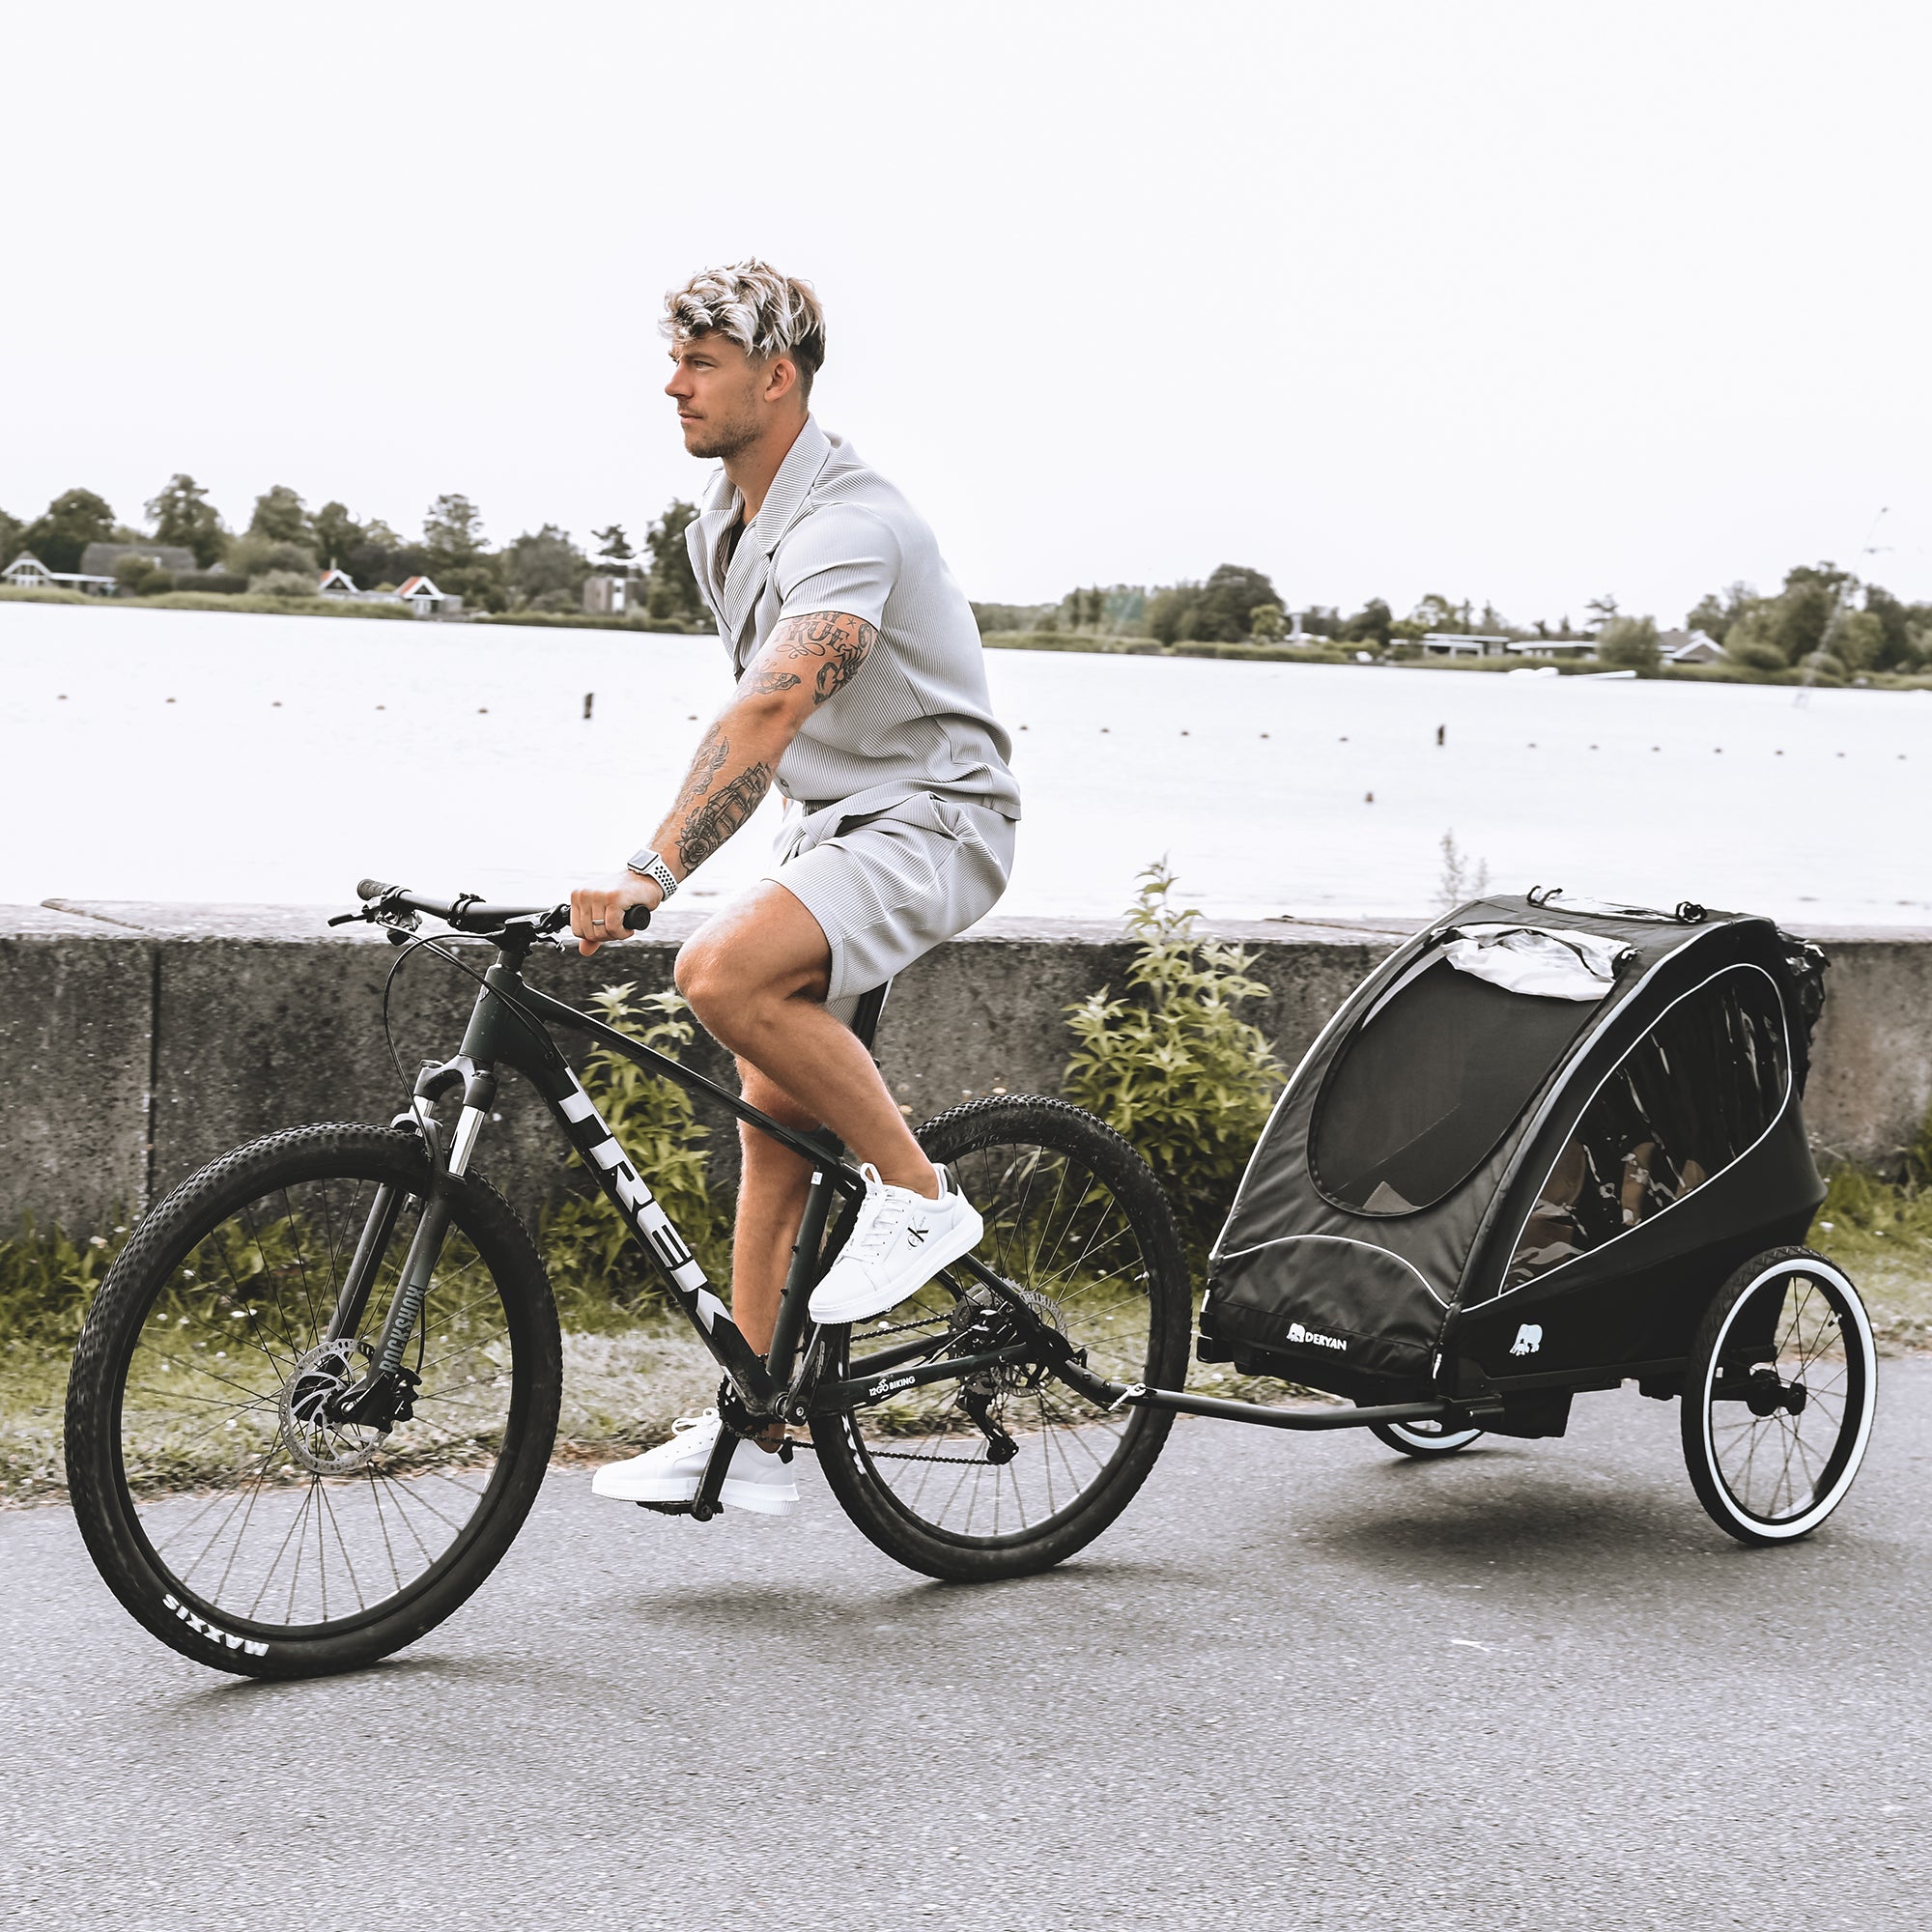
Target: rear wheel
pixel 223 1506
pixel 1011 1471
pixel 1778 1397
pixel 1423 1440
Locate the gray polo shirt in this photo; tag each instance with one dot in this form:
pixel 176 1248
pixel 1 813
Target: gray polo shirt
pixel 833 535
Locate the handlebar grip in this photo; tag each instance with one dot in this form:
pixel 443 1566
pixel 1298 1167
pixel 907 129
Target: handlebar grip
pixel 637 917
pixel 371 889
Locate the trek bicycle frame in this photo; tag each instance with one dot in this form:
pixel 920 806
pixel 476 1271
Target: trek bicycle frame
pixel 509 1026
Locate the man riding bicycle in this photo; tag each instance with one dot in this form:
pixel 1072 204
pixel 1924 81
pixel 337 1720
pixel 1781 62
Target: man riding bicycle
pixel 862 695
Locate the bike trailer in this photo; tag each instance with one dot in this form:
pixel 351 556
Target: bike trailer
pixel 1523 1157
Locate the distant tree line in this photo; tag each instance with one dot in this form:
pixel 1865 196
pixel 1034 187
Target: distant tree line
pixel 1825 622
pixel 286 547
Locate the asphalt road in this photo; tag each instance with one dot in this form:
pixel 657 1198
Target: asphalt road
pixel 1302 1684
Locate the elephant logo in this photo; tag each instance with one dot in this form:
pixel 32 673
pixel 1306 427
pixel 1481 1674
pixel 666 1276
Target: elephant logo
pixel 1529 1339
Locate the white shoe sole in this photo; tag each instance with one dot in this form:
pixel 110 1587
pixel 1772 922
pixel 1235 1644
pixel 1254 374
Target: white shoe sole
pixel 762 1498
pixel 962 1241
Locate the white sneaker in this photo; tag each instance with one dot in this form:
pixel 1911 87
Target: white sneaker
pixel 899 1241
pixel 670 1474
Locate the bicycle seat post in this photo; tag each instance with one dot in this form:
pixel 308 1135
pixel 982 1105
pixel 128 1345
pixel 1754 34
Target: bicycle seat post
pixel 866 1018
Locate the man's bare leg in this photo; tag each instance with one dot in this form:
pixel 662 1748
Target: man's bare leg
pixel 773 1186
pixel 756 976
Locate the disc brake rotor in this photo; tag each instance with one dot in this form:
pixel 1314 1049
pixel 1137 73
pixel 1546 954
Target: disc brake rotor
pixel 319 1444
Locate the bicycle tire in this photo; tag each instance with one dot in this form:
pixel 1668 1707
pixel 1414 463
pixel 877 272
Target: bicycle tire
pixel 1013 1158
pixel 149 1443
pixel 1764 1473
pixel 1413 1438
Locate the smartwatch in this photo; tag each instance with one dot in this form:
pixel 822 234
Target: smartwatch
pixel 648 866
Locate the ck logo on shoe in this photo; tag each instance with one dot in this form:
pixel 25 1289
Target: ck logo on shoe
pixel 1297 1333
pixel 1529 1339
pixel 916 1234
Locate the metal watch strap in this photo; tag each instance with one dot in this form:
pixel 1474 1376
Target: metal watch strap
pixel 648 866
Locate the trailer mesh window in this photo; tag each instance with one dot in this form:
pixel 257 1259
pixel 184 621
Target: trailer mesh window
pixel 1691 1097
pixel 1429 1083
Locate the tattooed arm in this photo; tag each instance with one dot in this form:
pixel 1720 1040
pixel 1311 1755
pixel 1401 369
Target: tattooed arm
pixel 807 661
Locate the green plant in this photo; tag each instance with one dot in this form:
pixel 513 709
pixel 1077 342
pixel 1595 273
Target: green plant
pixel 1879 1226
pixel 48 1281
pixel 1171 1064
pixel 599 1273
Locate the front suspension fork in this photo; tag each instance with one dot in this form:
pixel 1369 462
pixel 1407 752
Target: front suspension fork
pixel 381 1395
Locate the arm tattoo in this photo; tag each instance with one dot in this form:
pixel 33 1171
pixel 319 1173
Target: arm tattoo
pixel 705 762
pixel 713 818
pixel 704 818
pixel 773 680
pixel 840 644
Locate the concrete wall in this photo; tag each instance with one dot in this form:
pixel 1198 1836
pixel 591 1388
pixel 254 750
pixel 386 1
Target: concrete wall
pixel 137 1041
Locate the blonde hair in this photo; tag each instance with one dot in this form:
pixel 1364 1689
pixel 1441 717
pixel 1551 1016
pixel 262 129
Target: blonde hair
pixel 750 303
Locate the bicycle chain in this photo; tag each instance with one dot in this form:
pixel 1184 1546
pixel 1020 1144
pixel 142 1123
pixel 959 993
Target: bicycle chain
pixel 904 1327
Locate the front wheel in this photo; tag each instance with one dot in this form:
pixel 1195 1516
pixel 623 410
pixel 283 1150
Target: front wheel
pixel 1778 1397
pixel 220 1496
pixel 1011 1471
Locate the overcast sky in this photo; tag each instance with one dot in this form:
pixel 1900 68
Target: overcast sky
pixel 1516 301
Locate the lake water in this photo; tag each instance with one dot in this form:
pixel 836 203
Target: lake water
pixel 205 756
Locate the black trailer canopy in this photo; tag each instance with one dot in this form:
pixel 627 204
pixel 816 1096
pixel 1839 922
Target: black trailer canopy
pixel 1375 1200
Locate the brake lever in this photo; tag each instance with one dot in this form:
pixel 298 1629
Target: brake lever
pixel 375 915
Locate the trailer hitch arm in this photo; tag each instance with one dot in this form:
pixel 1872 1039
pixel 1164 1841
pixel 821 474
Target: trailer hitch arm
pixel 1068 1364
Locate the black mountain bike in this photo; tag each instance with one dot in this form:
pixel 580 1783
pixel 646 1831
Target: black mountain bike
pixel 317 1394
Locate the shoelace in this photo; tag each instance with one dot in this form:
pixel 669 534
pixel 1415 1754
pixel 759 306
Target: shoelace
pixel 882 1218
pixel 684 1423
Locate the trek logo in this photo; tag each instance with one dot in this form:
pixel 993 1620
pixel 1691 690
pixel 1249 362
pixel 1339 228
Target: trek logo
pixel 209 1631
pixel 1297 1333
pixel 1529 1339
pixel 888 1383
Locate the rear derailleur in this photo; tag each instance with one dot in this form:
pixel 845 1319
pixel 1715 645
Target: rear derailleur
pixel 983 1319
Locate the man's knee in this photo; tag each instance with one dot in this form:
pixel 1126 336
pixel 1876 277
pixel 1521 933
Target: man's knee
pixel 706 978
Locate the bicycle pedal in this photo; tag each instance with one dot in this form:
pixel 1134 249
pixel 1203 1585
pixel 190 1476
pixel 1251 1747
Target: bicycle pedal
pixel 668 1509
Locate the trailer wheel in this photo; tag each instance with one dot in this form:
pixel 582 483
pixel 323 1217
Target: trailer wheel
pixel 1778 1397
pixel 1423 1440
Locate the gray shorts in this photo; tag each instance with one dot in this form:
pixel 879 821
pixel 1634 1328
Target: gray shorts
pixel 887 886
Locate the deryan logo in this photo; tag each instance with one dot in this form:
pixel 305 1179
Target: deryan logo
pixel 1297 1333
pixel 1529 1339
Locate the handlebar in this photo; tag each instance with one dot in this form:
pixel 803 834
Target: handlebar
pixel 469 914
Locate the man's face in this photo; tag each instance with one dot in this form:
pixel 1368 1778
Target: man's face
pixel 721 395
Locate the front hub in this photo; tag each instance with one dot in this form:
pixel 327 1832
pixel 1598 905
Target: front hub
pixel 314 1434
